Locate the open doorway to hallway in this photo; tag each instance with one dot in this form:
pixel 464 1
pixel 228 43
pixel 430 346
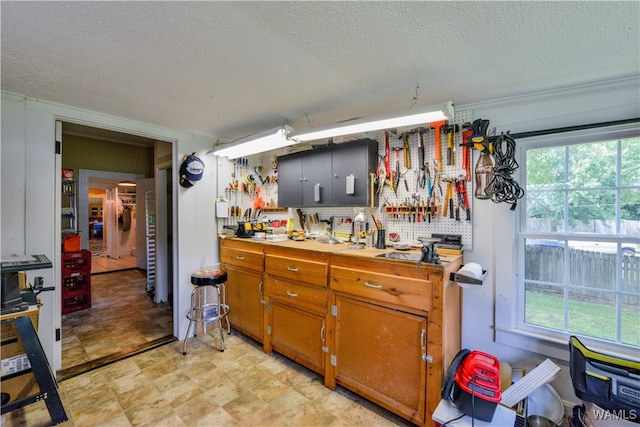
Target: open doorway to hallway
pixel 116 236
pixel 129 242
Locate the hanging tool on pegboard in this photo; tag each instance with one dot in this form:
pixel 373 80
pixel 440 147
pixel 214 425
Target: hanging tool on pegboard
pixel 450 130
pixel 467 131
pixel 437 126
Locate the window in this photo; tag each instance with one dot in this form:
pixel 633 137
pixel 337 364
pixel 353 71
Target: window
pixel 578 238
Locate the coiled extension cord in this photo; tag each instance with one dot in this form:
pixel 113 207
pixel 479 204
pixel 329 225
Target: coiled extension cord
pixel 503 188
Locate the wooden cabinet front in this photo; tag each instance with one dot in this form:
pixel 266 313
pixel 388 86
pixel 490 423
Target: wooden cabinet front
pixel 385 288
pixel 311 298
pixel 297 269
pixel 244 264
pixel 242 258
pixel 298 334
pixel 379 355
pixel 393 330
pixel 295 288
pixel 244 297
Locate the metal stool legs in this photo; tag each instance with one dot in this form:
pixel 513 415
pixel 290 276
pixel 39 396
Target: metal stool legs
pixel 202 312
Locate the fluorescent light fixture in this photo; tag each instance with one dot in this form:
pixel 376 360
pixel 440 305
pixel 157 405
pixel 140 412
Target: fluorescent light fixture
pixel 127 183
pixel 256 143
pixel 408 118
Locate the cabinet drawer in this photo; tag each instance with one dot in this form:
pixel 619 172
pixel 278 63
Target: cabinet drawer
pixel 304 271
pixel 391 289
pixel 241 258
pixel 299 295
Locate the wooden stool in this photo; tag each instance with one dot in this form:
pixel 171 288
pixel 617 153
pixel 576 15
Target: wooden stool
pixel 204 312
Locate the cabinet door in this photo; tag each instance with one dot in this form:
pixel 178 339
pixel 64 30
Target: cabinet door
pixel 316 170
pixel 351 159
pixel 379 355
pixel 290 181
pixel 297 334
pixel 244 297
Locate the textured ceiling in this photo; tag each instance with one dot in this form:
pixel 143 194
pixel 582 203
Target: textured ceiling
pixel 229 69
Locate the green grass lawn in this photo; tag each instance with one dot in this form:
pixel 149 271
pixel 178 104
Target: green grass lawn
pixel 596 320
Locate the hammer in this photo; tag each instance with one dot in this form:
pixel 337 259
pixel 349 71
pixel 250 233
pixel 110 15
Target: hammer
pixel 438 155
pixel 450 130
pixel 466 150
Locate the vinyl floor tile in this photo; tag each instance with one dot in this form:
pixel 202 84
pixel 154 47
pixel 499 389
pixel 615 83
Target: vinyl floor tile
pixel 122 317
pixel 240 387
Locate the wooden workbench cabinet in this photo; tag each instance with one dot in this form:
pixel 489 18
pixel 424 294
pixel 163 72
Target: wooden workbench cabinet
pixel 378 354
pixel 381 328
pixel 244 263
pixel 393 331
pixel 296 304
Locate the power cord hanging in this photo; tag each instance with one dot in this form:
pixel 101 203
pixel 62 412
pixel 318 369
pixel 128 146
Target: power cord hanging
pixel 414 99
pixel 503 188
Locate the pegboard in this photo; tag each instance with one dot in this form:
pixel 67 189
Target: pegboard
pixel 241 182
pixel 230 171
pixel 410 231
pixel 244 170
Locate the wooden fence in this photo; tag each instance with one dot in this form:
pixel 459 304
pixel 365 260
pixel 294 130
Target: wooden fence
pixel 586 268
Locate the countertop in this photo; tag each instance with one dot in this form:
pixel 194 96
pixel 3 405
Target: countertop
pixel 334 248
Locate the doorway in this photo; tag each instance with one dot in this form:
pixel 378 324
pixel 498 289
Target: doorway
pixel 112 230
pixel 111 328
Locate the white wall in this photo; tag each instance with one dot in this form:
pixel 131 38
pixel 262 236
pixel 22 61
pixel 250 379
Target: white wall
pixel 30 200
pixel 493 224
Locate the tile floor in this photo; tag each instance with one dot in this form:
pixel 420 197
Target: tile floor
pixel 241 386
pixel 106 264
pixel 100 263
pixel 122 316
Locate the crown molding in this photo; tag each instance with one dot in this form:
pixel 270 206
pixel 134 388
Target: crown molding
pixel 586 89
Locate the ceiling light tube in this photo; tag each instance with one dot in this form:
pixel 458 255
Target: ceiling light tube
pixel 409 118
pixel 256 143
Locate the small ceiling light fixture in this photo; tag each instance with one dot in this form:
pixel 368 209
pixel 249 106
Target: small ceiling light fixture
pixel 127 183
pixel 256 143
pixel 409 118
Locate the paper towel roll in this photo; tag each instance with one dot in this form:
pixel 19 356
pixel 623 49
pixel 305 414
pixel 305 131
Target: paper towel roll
pixel 470 269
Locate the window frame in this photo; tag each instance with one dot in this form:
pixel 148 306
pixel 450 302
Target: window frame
pixel 510 328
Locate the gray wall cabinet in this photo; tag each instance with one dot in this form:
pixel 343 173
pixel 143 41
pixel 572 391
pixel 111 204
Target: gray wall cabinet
pixel 318 178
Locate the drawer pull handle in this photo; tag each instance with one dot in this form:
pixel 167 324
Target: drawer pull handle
pixel 239 257
pixel 292 269
pixel 291 294
pixel 369 285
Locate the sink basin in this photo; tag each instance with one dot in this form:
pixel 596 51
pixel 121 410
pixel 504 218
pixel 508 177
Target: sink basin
pixel 402 256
